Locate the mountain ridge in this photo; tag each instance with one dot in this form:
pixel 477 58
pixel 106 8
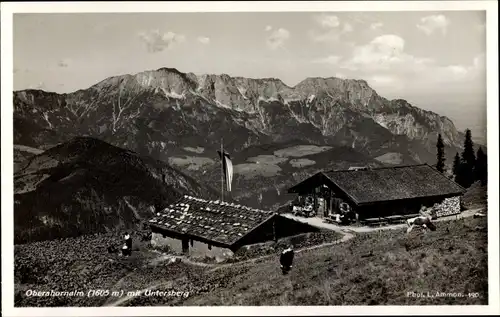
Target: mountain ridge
pixel 86 185
pixel 191 76
pixel 158 113
pixel 191 83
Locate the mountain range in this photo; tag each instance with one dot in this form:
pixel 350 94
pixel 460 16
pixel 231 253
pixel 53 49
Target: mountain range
pixel 276 134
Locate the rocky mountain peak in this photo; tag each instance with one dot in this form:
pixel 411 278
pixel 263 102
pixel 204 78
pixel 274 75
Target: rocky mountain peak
pixel 355 91
pixel 321 107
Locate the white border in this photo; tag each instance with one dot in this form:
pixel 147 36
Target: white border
pixel 7 9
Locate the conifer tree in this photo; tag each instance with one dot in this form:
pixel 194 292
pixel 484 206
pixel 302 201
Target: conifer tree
pixel 440 154
pixel 481 168
pixel 456 165
pixel 468 161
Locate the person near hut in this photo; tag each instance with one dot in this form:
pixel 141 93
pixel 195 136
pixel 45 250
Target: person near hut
pixel 127 247
pixel 126 251
pixel 286 260
pixel 346 214
pixel 128 240
pixel 429 211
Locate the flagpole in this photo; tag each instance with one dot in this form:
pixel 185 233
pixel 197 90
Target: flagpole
pixel 222 168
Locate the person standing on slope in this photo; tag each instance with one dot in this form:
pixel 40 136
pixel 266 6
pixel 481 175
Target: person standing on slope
pixel 286 260
pixel 128 244
pixel 128 240
pixel 126 251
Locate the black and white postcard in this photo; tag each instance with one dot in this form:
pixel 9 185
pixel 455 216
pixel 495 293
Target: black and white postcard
pixel 236 158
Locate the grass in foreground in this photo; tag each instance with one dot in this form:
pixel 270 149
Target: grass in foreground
pixel 451 259
pixel 83 264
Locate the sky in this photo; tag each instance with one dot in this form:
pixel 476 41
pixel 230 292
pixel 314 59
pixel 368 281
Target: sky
pixel 435 60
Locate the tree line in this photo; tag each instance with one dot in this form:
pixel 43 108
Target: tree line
pixel 468 167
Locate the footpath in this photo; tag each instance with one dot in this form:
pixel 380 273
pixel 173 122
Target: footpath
pixel 320 223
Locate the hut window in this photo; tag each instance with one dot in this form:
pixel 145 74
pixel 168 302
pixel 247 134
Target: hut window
pixel 210 247
pixel 191 242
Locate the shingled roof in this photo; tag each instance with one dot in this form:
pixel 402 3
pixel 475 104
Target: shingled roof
pixel 220 222
pixel 387 183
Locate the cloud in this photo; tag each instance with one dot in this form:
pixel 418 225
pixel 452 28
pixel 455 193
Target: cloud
pixel 278 38
pixel 332 60
pixel 432 23
pixel 64 63
pixel 328 21
pixel 449 74
pixel 386 65
pixel 385 52
pixel 376 25
pixel 331 28
pixel 389 42
pixel 40 85
pixel 383 79
pixel 388 82
pixel 479 62
pixel 156 41
pixel 268 28
pixel 17 70
pixel 330 36
pixel 204 40
pixel 460 72
pixel 347 28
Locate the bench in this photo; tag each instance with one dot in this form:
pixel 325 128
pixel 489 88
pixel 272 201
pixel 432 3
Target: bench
pixel 388 219
pixel 330 220
pixel 374 221
pixel 396 219
pixel 377 224
pixel 411 216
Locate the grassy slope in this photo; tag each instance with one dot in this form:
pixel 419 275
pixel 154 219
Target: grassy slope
pixel 476 195
pixel 335 275
pixel 83 264
pixel 339 275
pixel 22 153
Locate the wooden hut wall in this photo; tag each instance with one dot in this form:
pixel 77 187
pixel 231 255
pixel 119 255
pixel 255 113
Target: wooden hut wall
pixel 388 209
pixel 332 196
pixel 276 227
pixel 397 207
pixel 287 227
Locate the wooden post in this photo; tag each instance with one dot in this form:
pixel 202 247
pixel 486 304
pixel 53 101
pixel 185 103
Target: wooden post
pixel 222 169
pixel 330 212
pixel 379 226
pixel 274 228
pixel 315 202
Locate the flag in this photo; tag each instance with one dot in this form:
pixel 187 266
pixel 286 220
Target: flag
pixel 277 189
pixel 227 165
